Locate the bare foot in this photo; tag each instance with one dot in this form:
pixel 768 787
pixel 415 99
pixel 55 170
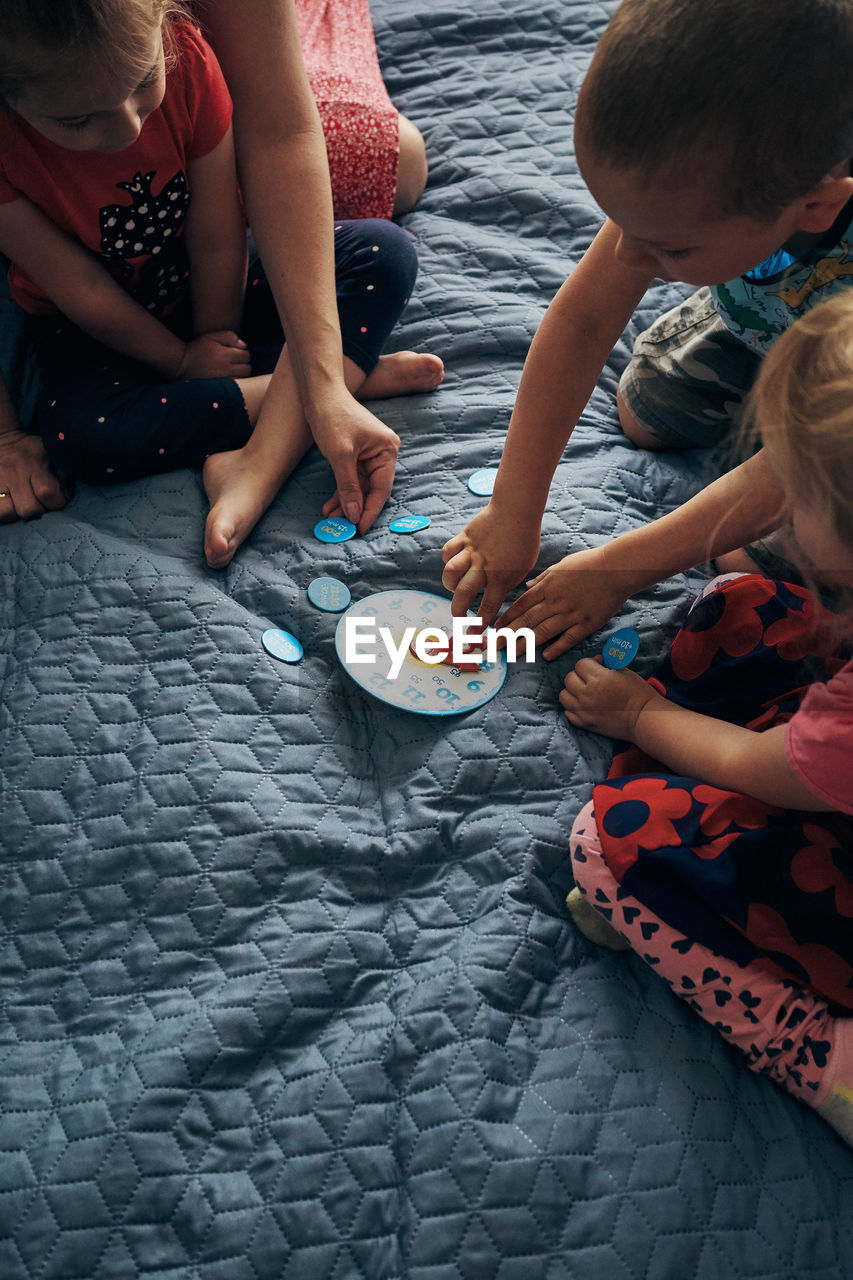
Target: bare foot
pixel 593 925
pixel 403 373
pixel 239 491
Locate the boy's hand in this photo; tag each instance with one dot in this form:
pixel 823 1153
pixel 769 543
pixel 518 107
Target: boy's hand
pixel 491 555
pixel 216 355
pixel 575 597
pixel 608 702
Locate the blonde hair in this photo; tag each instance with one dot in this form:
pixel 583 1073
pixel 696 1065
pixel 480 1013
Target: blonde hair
pixel 801 407
pixel 759 92
pixel 94 33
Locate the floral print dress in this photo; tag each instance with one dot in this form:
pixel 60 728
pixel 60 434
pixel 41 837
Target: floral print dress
pixel 746 879
pixel 359 121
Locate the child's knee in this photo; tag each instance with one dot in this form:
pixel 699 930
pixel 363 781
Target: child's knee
pixel 631 428
pixel 412 168
pixel 395 265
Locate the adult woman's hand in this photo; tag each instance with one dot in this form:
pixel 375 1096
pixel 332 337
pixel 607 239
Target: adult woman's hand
pixel 28 485
pixel 362 452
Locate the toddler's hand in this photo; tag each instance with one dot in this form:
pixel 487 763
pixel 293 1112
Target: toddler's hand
pixel 568 601
pixel 608 702
pixel 216 355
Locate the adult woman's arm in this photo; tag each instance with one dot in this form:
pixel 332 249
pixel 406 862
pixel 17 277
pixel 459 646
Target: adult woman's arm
pixel 28 486
pixel 281 160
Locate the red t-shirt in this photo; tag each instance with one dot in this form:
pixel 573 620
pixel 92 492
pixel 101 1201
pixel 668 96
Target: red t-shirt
pixel 127 206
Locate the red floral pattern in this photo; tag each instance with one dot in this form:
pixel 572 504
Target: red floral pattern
pixel 654 806
pixel 814 870
pixel 751 881
pixel 359 121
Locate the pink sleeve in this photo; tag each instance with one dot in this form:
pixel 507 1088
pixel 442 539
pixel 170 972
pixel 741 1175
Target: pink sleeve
pixel 819 741
pixel 208 101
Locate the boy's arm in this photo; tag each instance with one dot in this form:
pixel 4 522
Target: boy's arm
pixel 216 241
pixel 621 704
pixel 574 339
pixel 581 592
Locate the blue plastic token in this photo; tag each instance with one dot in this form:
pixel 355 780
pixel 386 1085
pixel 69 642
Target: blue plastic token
pixel 483 481
pixel 329 594
pixel 334 529
pixel 620 648
pixel 282 645
pixel 409 524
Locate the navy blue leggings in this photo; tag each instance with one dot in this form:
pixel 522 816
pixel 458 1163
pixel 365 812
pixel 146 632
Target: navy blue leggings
pixel 106 418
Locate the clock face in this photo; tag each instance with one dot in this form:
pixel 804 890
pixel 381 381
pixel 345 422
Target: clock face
pixel 430 689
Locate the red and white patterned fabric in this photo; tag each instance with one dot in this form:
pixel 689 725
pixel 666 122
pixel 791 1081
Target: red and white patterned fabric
pixel 359 121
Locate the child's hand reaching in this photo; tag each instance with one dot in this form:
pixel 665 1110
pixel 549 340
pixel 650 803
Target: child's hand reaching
pixel 608 702
pixel 216 355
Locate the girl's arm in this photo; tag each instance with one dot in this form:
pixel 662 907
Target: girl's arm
pixel 579 593
pixel 620 704
pixel 284 176
pixel 576 335
pixel 216 241
pixel 84 291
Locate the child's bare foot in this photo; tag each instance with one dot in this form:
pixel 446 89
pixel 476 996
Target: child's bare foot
pixel 592 924
pixel 239 491
pixel 402 373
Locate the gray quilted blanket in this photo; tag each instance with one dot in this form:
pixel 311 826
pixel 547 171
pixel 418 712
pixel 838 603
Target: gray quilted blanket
pixel 288 985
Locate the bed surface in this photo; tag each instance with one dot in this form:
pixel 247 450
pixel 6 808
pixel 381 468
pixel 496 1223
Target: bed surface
pixel 289 988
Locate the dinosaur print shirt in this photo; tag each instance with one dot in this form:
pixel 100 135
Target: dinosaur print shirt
pixel 127 206
pixel 760 305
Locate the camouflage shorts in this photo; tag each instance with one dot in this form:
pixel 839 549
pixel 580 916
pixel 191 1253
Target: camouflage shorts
pixel 689 376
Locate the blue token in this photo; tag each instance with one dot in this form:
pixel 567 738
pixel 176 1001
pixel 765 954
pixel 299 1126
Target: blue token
pixel 334 529
pixel 483 481
pixel 282 645
pixel 409 524
pixel 329 594
pixel 620 648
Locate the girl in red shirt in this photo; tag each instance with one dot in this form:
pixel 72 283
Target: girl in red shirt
pixel 120 212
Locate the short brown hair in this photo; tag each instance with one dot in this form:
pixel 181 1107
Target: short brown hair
pixel 762 87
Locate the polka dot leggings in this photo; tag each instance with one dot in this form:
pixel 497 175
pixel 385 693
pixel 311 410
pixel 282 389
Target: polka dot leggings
pixel 784 1031
pixel 106 418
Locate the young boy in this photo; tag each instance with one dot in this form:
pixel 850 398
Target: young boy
pixel 715 137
